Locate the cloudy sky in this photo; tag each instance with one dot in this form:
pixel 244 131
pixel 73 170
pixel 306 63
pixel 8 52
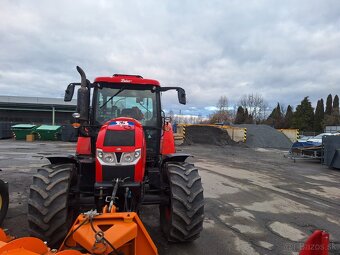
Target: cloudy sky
pixel 282 50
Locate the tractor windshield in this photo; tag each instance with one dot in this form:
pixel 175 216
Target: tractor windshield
pixel 138 104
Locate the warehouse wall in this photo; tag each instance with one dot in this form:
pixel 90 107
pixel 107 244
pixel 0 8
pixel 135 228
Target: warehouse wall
pixel 36 117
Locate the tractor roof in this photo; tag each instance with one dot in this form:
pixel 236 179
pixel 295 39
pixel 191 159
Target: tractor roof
pixel 124 78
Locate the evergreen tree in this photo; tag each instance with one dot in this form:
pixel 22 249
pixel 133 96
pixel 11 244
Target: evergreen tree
pixel 304 116
pixel 336 104
pixel 329 105
pixel 275 119
pixel 288 117
pixel 248 118
pixel 246 115
pixel 240 117
pixel 333 119
pixel 319 116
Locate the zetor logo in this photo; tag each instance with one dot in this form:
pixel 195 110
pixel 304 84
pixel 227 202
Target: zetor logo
pixel 122 123
pixel 125 80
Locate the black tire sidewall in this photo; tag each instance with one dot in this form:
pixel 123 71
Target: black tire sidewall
pixel 5 200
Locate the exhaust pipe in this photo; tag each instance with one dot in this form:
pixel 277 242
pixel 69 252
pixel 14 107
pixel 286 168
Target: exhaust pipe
pixel 83 98
pixel 82 76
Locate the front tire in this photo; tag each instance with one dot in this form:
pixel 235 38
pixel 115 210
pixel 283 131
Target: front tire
pixel 49 215
pixel 182 218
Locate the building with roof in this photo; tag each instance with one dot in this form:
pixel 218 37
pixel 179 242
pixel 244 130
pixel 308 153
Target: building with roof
pixel 37 110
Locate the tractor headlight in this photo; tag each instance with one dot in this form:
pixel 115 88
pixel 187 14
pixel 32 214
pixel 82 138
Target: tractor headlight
pixel 130 157
pixel 127 158
pixel 137 153
pixel 100 154
pixel 106 157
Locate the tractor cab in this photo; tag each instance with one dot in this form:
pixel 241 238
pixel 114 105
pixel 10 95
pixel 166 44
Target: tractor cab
pixel 124 96
pixel 133 97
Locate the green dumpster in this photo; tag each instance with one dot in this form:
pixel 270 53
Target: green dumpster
pixel 48 132
pixel 21 130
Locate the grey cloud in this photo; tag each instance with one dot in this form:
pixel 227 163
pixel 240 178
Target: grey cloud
pixel 284 50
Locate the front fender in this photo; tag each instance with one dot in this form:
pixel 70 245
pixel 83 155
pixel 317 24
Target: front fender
pixel 62 159
pixel 175 157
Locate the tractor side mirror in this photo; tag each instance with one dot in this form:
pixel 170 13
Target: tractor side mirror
pixel 181 96
pixel 69 92
pixel 180 92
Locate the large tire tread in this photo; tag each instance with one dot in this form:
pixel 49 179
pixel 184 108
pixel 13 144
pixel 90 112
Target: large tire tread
pixel 48 209
pixel 186 202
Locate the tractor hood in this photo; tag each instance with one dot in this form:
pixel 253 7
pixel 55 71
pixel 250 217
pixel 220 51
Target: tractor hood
pixel 120 150
pixel 120 134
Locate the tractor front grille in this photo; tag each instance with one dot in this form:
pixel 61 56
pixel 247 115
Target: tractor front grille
pixel 119 138
pixel 113 172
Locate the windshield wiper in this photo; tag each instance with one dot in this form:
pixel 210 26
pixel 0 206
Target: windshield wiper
pixel 116 94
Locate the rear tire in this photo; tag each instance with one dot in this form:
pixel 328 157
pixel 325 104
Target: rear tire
pixel 4 200
pixel 182 218
pixel 49 215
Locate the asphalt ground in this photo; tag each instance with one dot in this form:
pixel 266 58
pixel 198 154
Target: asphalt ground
pixel 256 201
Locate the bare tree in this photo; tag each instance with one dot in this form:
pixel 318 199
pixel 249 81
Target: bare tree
pixel 222 114
pixel 263 112
pixel 222 103
pixel 255 104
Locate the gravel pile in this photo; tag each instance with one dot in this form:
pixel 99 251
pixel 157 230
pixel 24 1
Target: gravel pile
pixel 264 136
pixel 206 135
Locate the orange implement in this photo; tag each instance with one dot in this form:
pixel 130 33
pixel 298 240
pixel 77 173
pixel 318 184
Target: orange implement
pixel 106 233
pixel 117 232
pixel 110 232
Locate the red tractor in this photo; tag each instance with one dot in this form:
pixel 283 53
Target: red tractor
pixel 125 157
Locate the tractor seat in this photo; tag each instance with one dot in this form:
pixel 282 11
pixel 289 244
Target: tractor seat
pixel 133 112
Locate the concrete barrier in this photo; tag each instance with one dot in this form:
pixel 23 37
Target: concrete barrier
pixel 237 134
pixel 291 133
